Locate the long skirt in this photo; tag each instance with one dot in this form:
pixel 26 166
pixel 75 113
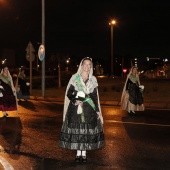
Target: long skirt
pixel 79 135
pixel 133 99
pixel 8 100
pixel 23 92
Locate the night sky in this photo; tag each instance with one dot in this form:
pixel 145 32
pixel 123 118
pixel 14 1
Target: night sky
pixel 81 27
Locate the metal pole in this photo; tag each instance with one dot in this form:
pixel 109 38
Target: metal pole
pixel 111 50
pixel 43 42
pixel 59 74
pixel 37 62
pixel 122 66
pixel 30 67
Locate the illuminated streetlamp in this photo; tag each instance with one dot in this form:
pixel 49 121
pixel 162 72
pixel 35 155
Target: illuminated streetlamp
pixel 3 61
pixel 67 62
pixel 112 23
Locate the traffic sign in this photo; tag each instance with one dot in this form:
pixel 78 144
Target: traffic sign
pixel 41 52
pixel 28 56
pixel 30 52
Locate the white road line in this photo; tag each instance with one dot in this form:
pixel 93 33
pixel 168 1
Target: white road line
pixel 6 164
pixel 137 123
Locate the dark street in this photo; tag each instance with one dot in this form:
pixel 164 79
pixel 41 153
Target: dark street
pixel 29 139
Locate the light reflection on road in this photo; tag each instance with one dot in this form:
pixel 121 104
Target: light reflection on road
pixel 136 123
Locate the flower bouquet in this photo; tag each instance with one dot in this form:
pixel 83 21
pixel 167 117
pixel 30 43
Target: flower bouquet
pixel 27 83
pixel 1 89
pixel 80 96
pixel 141 88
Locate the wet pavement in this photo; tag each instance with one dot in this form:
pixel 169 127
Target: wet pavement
pixel 57 95
pixel 29 139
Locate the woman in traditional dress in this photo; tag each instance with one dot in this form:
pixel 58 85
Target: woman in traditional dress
pixel 82 127
pixel 22 86
pixel 132 98
pixel 8 93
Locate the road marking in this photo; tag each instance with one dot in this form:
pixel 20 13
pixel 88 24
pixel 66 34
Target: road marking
pixel 137 123
pixel 5 164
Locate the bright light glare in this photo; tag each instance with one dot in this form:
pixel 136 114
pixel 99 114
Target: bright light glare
pixel 4 2
pixel 113 22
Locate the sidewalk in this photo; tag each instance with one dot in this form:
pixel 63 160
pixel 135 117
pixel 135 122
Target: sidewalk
pixel 57 95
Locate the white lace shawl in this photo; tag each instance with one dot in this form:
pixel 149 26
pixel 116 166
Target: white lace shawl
pixel 128 76
pixel 88 88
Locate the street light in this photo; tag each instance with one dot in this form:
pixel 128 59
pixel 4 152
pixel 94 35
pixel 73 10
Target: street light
pixel 3 61
pixel 67 62
pixel 112 23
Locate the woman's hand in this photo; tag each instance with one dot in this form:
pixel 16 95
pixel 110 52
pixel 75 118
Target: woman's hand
pixel 78 102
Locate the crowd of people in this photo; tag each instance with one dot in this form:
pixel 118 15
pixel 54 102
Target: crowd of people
pixel 82 128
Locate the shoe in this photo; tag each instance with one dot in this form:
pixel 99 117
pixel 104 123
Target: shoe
pixel 133 112
pixel 130 113
pixel 84 159
pixel 6 115
pixel 78 158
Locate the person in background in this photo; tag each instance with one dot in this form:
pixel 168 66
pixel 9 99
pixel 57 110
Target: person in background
pixel 22 86
pixel 82 127
pixel 132 97
pixel 8 100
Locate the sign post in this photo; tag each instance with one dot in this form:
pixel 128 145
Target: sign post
pixel 30 56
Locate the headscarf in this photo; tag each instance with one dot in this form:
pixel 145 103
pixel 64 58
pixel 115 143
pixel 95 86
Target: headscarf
pixel 20 75
pixel 8 80
pixel 87 88
pixel 132 78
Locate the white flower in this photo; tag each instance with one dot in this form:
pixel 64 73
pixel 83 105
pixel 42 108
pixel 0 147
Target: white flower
pixel 80 94
pixel 141 87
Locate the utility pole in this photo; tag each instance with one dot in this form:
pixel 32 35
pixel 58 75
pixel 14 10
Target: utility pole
pixel 43 43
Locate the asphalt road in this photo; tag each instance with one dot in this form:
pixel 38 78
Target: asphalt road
pixel 29 139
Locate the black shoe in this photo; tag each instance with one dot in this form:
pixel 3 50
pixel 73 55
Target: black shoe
pixel 130 113
pixel 133 112
pixel 6 115
pixel 84 159
pixel 78 158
